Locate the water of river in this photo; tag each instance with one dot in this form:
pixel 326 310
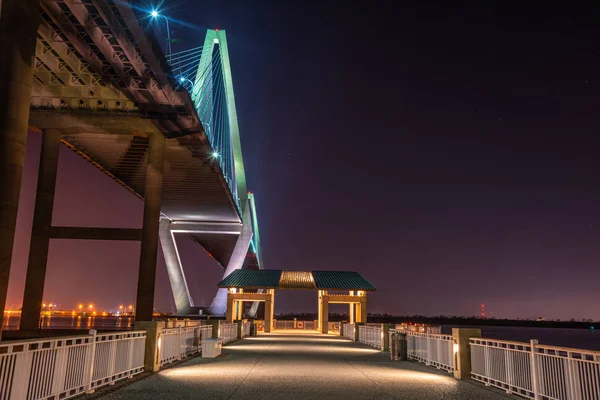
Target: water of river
pixel 86 322
pixel 577 338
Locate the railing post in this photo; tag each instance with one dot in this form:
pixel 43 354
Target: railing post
pixel 385 336
pixel 462 354
pixel 112 360
pixel 154 338
pixel 240 329
pixel 130 353
pixel 393 344
pixel 509 369
pixel 357 326
pixel 178 343
pixel 402 346
pixel 89 368
pixel 534 372
pixel 427 349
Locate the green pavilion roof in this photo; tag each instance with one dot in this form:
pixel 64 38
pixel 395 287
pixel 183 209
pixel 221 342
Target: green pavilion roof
pixel 279 279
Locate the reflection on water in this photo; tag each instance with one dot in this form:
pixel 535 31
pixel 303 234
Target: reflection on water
pixel 74 322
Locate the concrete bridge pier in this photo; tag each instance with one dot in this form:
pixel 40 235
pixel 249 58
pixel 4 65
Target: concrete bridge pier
pixel 40 233
pixel 150 228
pixel 19 22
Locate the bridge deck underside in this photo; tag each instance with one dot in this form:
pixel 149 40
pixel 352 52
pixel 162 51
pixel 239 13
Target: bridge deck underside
pixel 101 78
pixel 193 189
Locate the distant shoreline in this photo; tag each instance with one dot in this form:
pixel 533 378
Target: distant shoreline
pixel 463 321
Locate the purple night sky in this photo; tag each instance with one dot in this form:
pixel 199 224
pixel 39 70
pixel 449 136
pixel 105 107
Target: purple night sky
pixel 449 154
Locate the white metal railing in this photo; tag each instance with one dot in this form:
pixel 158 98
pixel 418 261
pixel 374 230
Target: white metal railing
pixel 289 324
pixel 205 333
pixel 176 343
pixel 334 326
pixel 348 331
pixel 306 324
pixel 282 324
pixel 68 366
pixel 429 348
pixel 228 331
pixel 371 335
pixel 536 371
pixel 246 328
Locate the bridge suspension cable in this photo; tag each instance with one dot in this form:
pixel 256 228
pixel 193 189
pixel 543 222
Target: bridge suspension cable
pixel 202 74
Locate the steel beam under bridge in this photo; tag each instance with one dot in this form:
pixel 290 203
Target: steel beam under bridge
pixel 184 302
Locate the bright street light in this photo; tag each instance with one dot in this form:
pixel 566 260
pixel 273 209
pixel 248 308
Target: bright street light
pixel 156 14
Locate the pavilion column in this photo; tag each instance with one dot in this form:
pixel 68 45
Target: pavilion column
pixel 363 309
pixel 320 308
pixel 269 311
pixel 40 232
pixel 230 308
pixel 150 228
pixel 358 314
pixel 324 313
pixel 351 313
pixel 240 310
pixel 19 22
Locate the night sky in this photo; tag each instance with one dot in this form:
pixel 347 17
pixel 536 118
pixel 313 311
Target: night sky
pixel 449 154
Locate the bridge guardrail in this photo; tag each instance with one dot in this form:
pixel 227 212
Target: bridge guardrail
pixel 289 324
pixel 429 348
pixel 246 328
pixel 348 331
pixel 177 343
pixel 65 367
pixel 371 335
pixel 536 371
pixel 228 331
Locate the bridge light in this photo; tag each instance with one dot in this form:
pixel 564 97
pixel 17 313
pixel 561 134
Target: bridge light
pixel 154 14
pixel 215 154
pixel 181 79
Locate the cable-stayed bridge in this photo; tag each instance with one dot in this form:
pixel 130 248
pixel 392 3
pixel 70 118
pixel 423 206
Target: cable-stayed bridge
pixel 91 75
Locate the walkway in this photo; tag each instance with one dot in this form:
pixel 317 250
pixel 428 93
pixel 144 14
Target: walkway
pixel 284 366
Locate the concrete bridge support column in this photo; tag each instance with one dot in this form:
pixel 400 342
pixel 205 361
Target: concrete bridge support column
pixel 150 228
pixel 19 22
pixel 40 233
pixel 179 287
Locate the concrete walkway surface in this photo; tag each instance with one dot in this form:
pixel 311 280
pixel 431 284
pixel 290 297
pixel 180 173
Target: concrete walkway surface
pixel 302 366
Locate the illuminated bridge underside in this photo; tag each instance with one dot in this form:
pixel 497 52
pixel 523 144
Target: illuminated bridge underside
pixel 101 78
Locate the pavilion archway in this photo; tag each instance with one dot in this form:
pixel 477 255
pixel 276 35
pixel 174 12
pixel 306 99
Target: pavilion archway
pixel 332 287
